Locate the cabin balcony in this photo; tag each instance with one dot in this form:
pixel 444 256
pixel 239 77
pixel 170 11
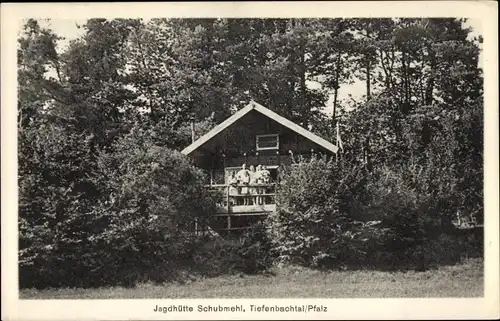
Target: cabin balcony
pixel 238 207
pixel 243 199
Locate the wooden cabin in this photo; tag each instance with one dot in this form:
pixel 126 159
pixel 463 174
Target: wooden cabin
pixel 253 136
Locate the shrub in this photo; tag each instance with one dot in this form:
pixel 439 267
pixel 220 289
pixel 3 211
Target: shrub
pixel 56 194
pixel 311 225
pixel 415 230
pixel 329 215
pixel 137 229
pixel 254 250
pixel 155 194
pixel 250 253
pixel 397 205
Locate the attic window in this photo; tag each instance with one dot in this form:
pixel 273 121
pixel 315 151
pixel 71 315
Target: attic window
pixel 267 142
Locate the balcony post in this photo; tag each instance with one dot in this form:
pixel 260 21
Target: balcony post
pixel 228 209
pixel 279 166
pixel 227 197
pixel 224 166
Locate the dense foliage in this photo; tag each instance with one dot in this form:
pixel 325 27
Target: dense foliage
pixel 328 218
pixel 249 253
pixel 102 119
pixel 129 219
pixel 311 226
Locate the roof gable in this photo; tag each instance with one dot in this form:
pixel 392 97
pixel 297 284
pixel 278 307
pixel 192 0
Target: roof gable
pixel 267 112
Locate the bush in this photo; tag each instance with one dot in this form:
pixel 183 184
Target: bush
pixel 155 194
pixel 312 226
pixel 139 228
pixel 56 195
pixel 249 253
pixel 398 206
pixel 254 250
pixel 415 230
pixel 332 215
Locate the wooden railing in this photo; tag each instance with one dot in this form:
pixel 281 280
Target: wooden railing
pixel 230 199
pixel 236 211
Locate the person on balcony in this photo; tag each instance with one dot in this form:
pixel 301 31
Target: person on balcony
pixel 266 179
pixel 243 177
pixel 252 190
pixel 259 180
pixel 233 189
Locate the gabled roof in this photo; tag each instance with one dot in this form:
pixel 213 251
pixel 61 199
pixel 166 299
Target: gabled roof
pixel 267 112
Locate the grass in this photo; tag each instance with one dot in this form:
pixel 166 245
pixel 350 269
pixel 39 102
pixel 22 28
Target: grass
pixel 463 280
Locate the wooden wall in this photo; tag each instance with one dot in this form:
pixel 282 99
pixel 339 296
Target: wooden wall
pixel 240 139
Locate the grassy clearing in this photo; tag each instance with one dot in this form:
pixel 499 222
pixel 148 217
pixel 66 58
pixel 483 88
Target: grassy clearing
pixel 464 280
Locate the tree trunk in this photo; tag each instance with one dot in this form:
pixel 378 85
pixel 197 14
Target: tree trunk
pixel 336 88
pixel 20 120
pixel 367 153
pixel 406 86
pixel 429 90
pixel 335 94
pixel 368 70
pixel 303 87
pixel 193 136
pixel 385 68
pixel 368 80
pixel 299 60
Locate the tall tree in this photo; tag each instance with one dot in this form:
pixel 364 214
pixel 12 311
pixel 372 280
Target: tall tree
pixel 36 56
pixel 98 95
pixel 366 33
pixel 332 56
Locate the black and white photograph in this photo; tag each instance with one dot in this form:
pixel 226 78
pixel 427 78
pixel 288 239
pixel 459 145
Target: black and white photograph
pixel 181 158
